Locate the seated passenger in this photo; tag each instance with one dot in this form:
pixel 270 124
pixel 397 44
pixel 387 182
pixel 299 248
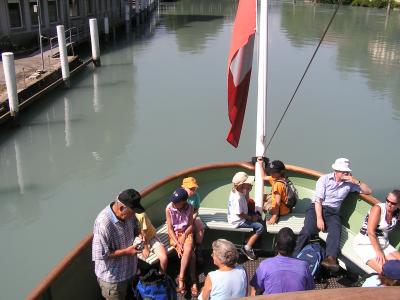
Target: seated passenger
pixel 190 185
pixel 282 273
pixel 238 214
pixel 151 242
pixel 324 212
pixel 390 275
pixel 371 243
pixel 230 280
pixel 276 202
pixel 179 216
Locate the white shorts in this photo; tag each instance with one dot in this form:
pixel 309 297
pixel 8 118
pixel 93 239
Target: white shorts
pixel 366 252
pixel 155 247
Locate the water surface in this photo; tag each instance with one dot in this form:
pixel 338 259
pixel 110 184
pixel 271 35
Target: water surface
pixel 158 105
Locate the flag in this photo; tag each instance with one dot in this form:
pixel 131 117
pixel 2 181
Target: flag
pixel 239 66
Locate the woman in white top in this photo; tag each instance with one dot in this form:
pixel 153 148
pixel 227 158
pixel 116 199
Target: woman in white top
pixel 230 280
pixel 372 243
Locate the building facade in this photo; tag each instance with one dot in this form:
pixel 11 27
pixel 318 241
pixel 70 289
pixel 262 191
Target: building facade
pixel 19 18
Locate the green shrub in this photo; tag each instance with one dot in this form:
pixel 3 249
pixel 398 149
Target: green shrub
pixel 370 3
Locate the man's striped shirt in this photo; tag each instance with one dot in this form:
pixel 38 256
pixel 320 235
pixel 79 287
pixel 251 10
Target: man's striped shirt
pixel 110 234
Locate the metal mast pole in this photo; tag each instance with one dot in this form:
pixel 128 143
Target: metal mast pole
pixel 261 100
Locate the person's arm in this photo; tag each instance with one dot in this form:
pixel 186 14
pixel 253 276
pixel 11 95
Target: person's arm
pixel 362 186
pixel 146 248
pixel 171 231
pixel 189 229
pixel 206 288
pixel 373 221
pixel 130 251
pixel 101 249
pixel 248 217
pixel 257 282
pixel 275 210
pixel 318 213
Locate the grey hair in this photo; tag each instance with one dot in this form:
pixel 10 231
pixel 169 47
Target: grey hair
pixel 226 252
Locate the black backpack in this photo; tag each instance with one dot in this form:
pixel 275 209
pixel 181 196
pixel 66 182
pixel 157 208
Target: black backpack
pixel 291 193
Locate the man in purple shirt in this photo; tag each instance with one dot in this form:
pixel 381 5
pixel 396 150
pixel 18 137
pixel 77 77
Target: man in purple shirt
pixel 324 211
pixel 282 273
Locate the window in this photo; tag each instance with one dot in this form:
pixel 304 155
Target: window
pixel 73 8
pixel 14 11
pixel 52 8
pixel 89 7
pixel 33 10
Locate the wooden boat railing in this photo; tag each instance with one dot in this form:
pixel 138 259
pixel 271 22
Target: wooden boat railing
pixel 43 287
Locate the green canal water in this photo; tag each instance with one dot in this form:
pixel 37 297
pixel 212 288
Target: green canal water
pixel 158 105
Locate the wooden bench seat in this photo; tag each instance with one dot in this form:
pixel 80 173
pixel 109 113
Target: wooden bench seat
pixel 348 254
pixel 216 218
pixel 293 221
pixel 162 234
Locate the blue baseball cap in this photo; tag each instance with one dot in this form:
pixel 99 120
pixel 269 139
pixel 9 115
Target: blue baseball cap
pixel 391 269
pixel 178 195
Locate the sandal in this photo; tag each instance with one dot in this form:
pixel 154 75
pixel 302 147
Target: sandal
pixel 180 290
pixel 194 291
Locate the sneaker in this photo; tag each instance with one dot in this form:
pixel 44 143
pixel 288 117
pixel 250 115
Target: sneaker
pixel 248 253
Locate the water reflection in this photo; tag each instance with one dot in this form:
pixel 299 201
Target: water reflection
pixel 18 163
pixel 203 19
pixel 62 137
pixel 375 54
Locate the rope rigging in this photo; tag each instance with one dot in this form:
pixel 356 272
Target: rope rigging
pixel 304 73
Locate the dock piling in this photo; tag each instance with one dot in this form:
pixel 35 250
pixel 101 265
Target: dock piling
pixel 11 82
pixel 62 48
pixel 127 12
pixel 106 29
pixel 94 38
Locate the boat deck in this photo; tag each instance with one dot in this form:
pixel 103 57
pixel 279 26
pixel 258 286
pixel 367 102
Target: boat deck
pixel 341 280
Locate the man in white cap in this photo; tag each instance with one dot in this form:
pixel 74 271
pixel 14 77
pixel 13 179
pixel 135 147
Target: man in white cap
pixel 324 212
pixel 238 213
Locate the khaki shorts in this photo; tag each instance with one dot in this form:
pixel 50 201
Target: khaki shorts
pixel 155 247
pixel 189 239
pixel 114 291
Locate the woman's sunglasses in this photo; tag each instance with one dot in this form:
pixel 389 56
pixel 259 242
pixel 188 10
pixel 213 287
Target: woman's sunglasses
pixel 393 203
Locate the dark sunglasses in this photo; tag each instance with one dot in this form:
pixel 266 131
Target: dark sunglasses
pixel 393 203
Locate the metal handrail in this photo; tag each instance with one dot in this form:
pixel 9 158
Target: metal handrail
pixel 69 36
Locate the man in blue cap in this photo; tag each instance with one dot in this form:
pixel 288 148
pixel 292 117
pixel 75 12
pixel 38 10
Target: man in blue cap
pixel 113 248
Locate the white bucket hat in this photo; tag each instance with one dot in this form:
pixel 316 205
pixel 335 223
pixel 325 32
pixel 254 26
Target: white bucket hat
pixel 342 164
pixel 241 178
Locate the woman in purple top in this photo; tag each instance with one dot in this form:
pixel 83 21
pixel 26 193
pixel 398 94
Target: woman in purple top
pixel 179 216
pixel 282 273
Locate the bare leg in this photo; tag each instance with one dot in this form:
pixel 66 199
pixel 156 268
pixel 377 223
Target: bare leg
pixel 187 251
pixel 162 256
pixel 252 240
pixel 199 231
pixel 393 256
pixel 193 278
pixel 375 265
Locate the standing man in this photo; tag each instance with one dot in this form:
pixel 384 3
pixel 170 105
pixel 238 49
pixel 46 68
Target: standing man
pixel 112 250
pixel 324 211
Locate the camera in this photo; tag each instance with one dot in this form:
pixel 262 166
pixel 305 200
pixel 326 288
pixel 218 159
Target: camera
pixel 138 243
